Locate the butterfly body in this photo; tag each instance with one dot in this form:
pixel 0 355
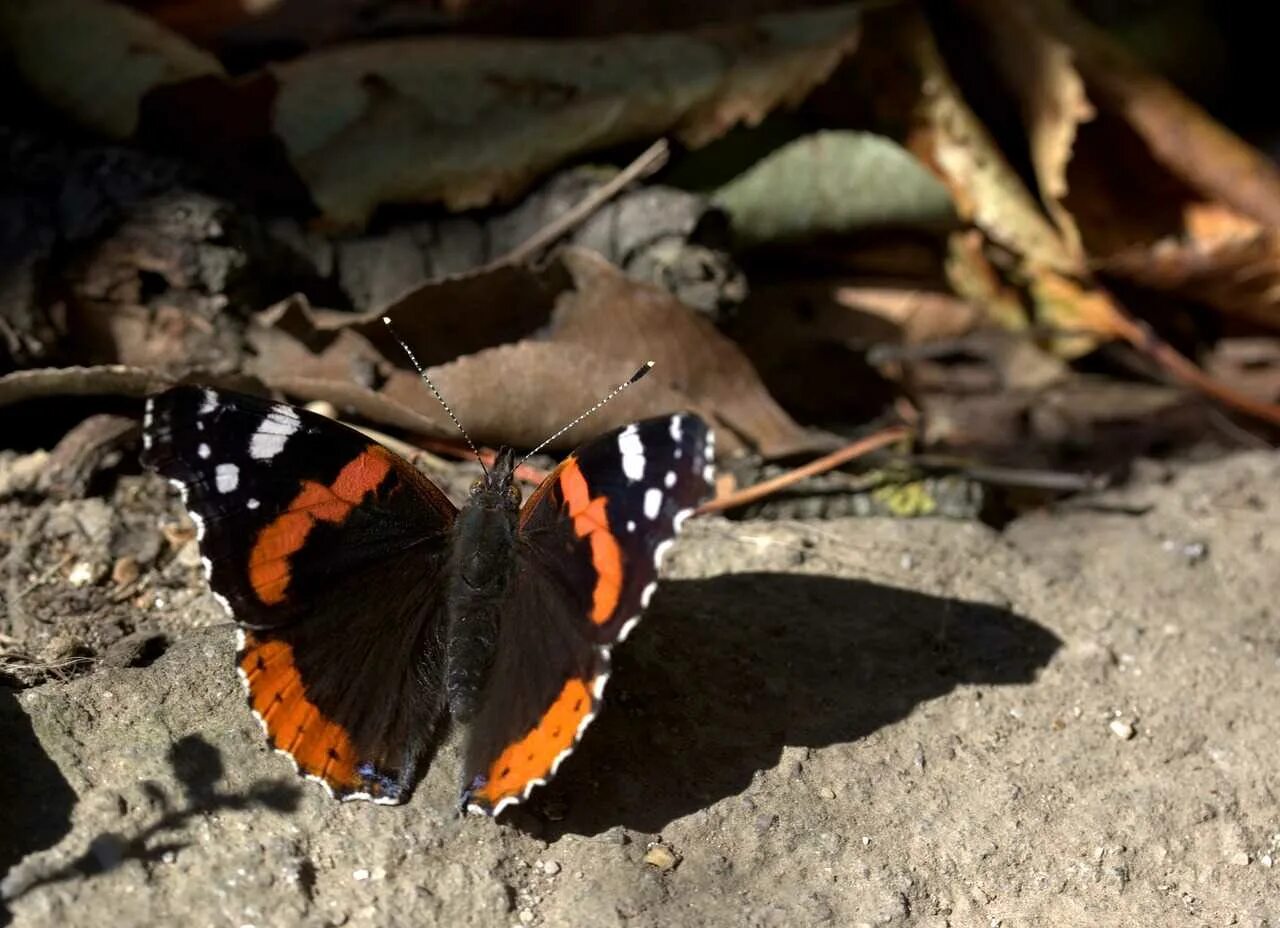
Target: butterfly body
pixel 374 613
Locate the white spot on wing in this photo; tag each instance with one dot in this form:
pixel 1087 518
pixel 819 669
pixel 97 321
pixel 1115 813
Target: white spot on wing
pixel 273 432
pixel 631 525
pixel 208 404
pixel 203 450
pixel 148 417
pixel 670 480
pixel 676 433
pixel 652 502
pixel 252 504
pixel 227 477
pixel 632 449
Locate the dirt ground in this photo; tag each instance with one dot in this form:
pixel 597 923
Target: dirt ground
pixel 851 722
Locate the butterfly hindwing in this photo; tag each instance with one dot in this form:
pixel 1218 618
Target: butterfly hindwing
pixel 591 539
pixel 299 518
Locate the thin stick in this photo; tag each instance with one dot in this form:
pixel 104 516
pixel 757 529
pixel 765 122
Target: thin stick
pixel 823 464
pixel 650 160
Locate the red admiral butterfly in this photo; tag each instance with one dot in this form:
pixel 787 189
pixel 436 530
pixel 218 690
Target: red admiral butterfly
pixel 373 612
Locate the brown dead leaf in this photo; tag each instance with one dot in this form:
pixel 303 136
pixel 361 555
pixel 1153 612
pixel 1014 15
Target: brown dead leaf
pixel 1039 69
pixel 972 276
pixel 519 394
pixel 630 323
pixel 107 380
pixel 986 189
pixel 1222 259
pixel 918 315
pixel 1076 317
pixel 441 320
pixel 369 124
pixel 1180 134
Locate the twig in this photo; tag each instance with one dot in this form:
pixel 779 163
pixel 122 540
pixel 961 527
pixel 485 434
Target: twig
pixel 650 160
pixel 823 464
pixel 1143 338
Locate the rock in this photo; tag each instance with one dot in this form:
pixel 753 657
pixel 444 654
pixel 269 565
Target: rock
pixel 660 857
pixel 1122 729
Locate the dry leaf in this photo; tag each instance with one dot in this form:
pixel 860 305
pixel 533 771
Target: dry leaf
pixel 520 394
pixel 96 61
pixel 465 121
pixel 1222 258
pixel 1040 71
pixel 918 315
pixel 630 322
pixel 1077 317
pixel 986 189
pixel 1181 135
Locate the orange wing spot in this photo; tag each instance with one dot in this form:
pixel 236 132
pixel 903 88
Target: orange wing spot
pixel 590 520
pixel 294 724
pixel 532 756
pixel 269 560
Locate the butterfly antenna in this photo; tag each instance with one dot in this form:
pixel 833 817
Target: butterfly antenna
pixel 434 392
pixel 648 366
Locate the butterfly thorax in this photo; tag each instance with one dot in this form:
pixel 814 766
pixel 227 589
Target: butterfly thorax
pixel 480 565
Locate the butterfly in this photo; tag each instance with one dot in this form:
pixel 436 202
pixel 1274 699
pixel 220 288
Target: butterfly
pixel 373 613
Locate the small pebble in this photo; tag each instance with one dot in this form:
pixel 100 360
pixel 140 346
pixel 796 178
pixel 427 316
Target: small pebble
pixel 1266 861
pixel 125 571
pixel 81 574
pixel 866 841
pixel 827 792
pixel 526 916
pixel 550 867
pixel 360 875
pixel 661 857
pixel 1121 729
pixel 1241 859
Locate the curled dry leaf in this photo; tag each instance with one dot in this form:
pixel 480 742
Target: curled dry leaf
pixel 96 61
pixel 631 322
pixel 605 325
pixel 832 183
pixel 1040 70
pixel 1181 135
pixel 1222 258
pixel 441 320
pixel 369 124
pixel 519 394
pixel 107 380
pixel 986 189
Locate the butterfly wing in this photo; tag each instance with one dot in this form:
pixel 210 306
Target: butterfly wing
pixel 591 540
pixel 300 519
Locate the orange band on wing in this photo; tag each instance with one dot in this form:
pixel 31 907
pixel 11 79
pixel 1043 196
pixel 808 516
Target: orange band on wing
pixel 269 560
pixel 294 724
pixel 533 756
pixel 591 521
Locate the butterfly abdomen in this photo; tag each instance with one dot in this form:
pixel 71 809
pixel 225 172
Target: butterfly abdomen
pixel 479 571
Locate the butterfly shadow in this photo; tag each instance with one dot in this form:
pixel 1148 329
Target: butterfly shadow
pixel 35 811
pixel 197 766
pixel 726 672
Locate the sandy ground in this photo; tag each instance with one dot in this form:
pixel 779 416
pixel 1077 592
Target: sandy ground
pixel 859 722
